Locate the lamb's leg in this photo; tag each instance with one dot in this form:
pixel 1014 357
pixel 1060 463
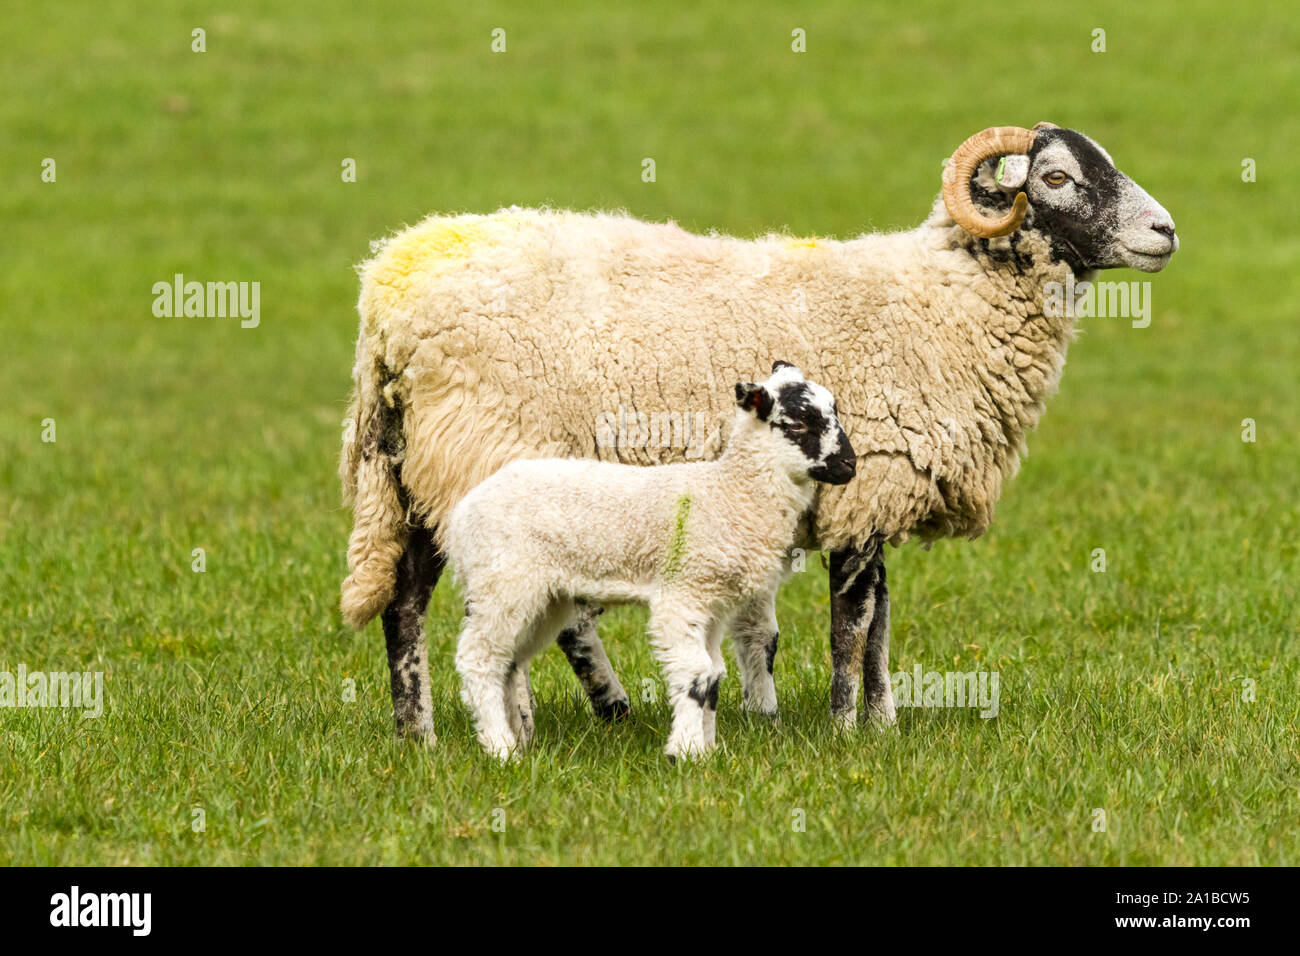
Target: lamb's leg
pixel 581 645
pixel 859 641
pixel 680 639
pixel 519 692
pixel 717 671
pixel 523 698
pixel 754 634
pixel 488 671
pixel 418 571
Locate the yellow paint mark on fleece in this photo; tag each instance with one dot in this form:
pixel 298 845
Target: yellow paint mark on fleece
pixel 676 554
pixel 809 243
pixel 417 254
pixel 423 246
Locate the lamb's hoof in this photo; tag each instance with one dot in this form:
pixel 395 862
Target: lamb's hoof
pixel 762 709
pixel 504 751
pixel 690 751
pixel 612 710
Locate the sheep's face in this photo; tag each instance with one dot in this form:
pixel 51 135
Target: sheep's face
pixel 1094 216
pixel 804 420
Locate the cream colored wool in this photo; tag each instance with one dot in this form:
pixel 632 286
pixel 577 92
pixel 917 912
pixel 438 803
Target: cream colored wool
pixel 506 336
pixel 696 542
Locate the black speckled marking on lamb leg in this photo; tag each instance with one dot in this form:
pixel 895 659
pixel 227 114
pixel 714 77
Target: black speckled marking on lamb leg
pixel 578 652
pixel 771 650
pixel 704 692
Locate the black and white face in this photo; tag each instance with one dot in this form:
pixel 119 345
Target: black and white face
pixel 1094 216
pixel 805 416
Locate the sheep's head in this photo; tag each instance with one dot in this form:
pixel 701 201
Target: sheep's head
pixel 803 418
pixel 1062 184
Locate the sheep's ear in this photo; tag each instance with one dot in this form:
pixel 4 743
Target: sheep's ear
pixel 753 397
pixel 1011 172
pixel 778 365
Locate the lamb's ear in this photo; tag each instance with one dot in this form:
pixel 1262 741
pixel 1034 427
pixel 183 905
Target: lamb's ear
pixel 1011 172
pixel 778 365
pixel 753 397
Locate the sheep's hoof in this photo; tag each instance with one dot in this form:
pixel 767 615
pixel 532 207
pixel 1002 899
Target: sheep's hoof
pixel 612 710
pixel 419 734
pixel 880 718
pixel 845 721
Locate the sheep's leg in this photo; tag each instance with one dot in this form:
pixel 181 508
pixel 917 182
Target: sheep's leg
pixel 754 634
pixel 523 699
pixel 520 689
pixel 488 688
pixel 680 640
pixel 418 571
pixel 877 689
pixel 859 635
pixel 492 655
pixel 717 671
pixel 581 645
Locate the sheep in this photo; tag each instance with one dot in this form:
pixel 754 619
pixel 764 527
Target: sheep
pixel 487 338
pixel 696 542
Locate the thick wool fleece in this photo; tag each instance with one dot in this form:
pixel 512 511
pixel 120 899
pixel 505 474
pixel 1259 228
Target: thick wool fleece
pixel 714 533
pixel 506 336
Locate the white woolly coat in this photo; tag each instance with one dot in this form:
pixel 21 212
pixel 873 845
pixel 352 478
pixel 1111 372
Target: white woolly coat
pixel 491 338
pixel 703 535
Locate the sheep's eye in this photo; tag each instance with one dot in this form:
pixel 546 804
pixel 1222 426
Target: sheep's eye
pixel 797 428
pixel 1056 178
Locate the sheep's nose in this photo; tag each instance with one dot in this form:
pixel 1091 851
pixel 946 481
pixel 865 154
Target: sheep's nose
pixel 1165 229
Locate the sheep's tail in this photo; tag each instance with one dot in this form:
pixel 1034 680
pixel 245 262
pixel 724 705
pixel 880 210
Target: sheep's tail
pixel 370 470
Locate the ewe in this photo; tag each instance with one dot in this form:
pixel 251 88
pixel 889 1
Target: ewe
pixel 485 339
pixel 696 542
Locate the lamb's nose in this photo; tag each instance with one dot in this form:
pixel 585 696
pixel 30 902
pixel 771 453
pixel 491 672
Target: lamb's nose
pixel 1165 229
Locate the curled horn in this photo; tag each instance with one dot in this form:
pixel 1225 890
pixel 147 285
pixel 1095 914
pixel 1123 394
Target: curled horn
pixel 994 141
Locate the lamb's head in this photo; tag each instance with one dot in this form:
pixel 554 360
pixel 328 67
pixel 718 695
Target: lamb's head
pixel 1062 184
pixel 801 422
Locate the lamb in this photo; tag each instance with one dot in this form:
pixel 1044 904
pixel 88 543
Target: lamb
pixel 696 542
pixel 485 339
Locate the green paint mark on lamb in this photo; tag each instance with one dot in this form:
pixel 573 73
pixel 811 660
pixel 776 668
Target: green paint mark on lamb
pixel 676 554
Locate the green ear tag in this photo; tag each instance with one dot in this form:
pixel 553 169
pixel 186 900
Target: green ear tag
pixel 1002 164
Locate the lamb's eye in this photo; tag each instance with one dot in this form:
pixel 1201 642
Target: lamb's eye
pixel 797 428
pixel 1056 178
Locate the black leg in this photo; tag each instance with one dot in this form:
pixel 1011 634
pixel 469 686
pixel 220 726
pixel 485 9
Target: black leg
pixel 856 582
pixel 581 645
pixel 418 571
pixel 877 691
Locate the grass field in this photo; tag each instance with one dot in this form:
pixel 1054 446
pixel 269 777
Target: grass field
pixel 1124 691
